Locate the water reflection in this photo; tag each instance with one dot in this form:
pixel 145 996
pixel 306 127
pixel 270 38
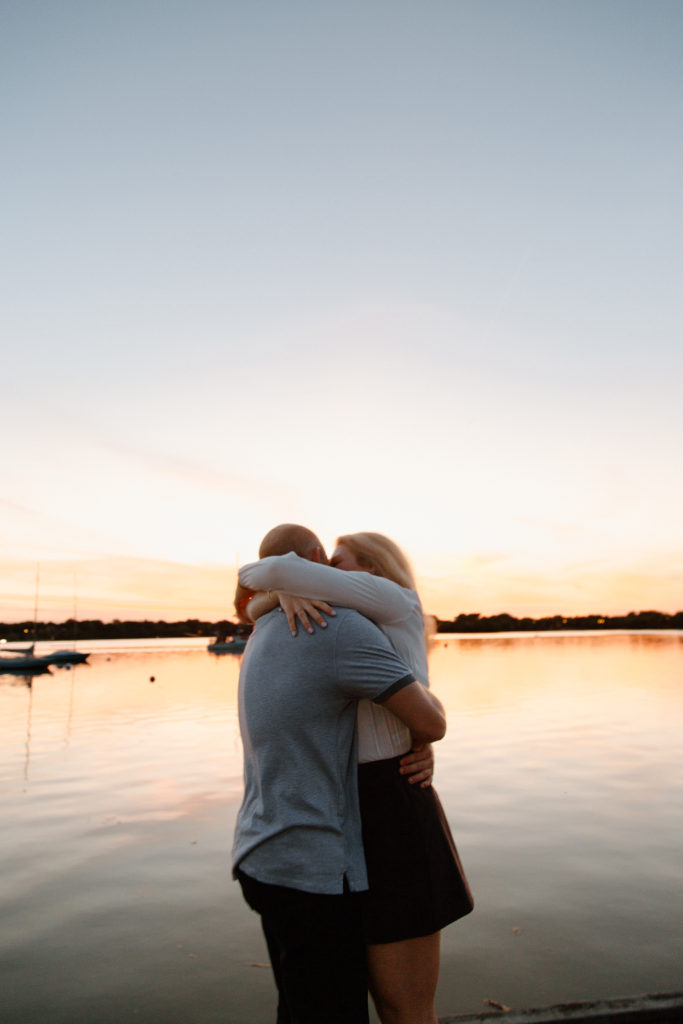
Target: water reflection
pixel 560 773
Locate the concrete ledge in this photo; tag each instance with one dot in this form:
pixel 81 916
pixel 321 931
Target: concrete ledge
pixel 661 1008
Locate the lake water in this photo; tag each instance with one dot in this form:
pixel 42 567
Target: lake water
pixel 561 775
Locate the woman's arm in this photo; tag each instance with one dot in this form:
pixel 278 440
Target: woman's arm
pixel 294 607
pixel 260 604
pixel 379 599
pixel 243 596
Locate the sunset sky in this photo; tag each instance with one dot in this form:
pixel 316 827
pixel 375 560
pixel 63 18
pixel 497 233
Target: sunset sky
pixel 410 267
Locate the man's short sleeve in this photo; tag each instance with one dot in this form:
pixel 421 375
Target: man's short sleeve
pixel 366 663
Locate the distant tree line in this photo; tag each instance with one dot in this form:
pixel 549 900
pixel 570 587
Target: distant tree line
pixel 94 629
pixel 472 622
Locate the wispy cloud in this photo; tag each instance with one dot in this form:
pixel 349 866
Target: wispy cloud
pixel 114 587
pixel 194 470
pixel 39 533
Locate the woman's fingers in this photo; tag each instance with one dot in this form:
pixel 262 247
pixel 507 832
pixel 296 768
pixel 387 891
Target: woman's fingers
pixel 315 608
pixel 304 610
pixel 291 618
pixel 289 606
pixel 302 615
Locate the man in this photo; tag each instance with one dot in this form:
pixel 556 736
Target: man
pixel 298 851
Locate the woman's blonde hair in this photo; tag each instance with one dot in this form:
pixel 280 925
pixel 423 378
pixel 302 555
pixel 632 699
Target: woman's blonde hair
pixel 381 556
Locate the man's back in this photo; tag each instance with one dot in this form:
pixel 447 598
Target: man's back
pixel 299 824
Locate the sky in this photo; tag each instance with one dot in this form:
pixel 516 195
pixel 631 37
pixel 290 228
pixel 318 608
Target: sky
pixel 386 265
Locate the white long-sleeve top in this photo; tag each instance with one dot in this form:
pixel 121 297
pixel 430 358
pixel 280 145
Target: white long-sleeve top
pixel 395 609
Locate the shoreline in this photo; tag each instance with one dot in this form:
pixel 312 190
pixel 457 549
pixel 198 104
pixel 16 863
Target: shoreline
pixel 462 625
pixel 659 1008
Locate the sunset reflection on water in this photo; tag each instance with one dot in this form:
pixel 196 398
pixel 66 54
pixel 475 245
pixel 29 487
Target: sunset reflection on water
pixel 560 775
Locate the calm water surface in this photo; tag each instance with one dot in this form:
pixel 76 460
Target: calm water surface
pixel 561 775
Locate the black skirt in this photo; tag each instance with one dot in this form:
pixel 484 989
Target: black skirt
pixel 417 884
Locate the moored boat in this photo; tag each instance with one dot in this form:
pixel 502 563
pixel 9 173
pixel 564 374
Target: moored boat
pixel 26 663
pixel 67 657
pixel 234 645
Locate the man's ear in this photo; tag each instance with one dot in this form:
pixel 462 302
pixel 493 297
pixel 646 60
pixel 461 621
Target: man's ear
pixel 317 555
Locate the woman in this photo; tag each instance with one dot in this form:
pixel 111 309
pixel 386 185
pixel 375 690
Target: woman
pixel 417 885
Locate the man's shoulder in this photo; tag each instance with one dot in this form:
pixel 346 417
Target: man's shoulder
pixel 352 627
pixel 351 619
pixel 347 614
pixel 273 629
pixel 345 628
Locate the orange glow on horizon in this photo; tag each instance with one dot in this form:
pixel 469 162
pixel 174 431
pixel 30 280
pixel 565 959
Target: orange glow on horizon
pixel 129 588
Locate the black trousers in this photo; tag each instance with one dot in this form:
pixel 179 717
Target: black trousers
pixel 317 952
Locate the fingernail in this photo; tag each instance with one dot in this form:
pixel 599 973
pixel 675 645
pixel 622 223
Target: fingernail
pixel 323 625
pixel 309 630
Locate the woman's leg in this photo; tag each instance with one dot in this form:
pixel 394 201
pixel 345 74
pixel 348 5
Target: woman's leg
pixel 403 977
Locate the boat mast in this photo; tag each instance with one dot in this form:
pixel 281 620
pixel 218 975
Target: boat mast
pixel 75 607
pixel 35 609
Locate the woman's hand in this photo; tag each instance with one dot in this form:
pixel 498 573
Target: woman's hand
pixel 304 610
pixel 418 765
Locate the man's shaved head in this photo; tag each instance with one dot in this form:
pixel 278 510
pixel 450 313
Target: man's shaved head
pixel 290 537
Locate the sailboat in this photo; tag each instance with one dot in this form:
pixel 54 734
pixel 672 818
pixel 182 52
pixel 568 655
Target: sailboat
pixel 24 659
pixel 26 664
pixel 70 656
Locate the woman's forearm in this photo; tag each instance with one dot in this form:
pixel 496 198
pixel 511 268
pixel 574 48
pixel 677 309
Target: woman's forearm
pixel 261 603
pixel 378 598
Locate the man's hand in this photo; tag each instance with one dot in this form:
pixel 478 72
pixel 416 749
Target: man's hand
pixel 418 765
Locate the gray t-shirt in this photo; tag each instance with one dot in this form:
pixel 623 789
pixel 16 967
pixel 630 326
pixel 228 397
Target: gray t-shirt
pixel 299 823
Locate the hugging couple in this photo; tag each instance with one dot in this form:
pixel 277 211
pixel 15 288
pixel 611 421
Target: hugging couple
pixel 341 844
